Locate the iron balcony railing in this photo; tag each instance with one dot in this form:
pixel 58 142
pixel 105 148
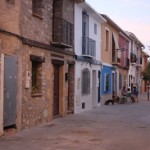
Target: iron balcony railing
pixel 88 46
pixel 63 31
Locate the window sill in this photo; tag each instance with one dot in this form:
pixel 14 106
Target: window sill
pixel 37 15
pixel 36 94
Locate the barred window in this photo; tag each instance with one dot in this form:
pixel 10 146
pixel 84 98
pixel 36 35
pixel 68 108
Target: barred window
pixel 85 81
pixel 36 77
pixel 36 73
pixel 37 7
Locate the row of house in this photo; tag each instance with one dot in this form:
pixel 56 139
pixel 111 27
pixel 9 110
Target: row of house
pixel 59 57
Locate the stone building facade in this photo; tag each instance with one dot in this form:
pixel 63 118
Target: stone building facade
pixel 36 42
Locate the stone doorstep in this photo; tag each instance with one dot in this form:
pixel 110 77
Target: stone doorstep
pixel 1 134
pixel 10 131
pixel 69 112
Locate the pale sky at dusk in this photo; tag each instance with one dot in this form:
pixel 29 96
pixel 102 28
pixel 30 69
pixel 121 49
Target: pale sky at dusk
pixel 130 15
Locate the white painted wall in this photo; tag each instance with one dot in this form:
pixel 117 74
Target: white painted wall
pixel 78 32
pixel 79 98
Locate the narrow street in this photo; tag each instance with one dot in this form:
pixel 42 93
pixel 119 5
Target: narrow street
pixel 112 127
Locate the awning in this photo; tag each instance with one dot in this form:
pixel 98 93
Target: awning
pixel 116 45
pixel 116 41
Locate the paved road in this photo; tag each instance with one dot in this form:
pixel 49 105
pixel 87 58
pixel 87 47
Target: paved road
pixel 113 127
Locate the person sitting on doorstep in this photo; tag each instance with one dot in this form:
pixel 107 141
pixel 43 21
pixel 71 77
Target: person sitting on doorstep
pixel 134 95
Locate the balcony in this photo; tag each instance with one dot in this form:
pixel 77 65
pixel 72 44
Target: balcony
pixel 139 62
pixel 133 58
pixel 63 33
pixel 88 46
pixel 116 60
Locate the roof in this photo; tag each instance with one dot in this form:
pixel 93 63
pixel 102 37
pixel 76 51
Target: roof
pixel 93 12
pixel 133 37
pixel 145 54
pixel 109 20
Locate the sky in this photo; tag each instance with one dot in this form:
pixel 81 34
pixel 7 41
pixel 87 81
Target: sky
pixel 130 15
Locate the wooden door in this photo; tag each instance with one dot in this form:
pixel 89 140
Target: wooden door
pixel 56 91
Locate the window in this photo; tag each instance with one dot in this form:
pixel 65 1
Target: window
pixel 36 73
pixel 120 81
pixel 11 1
pixel 37 7
pixel 36 77
pixel 106 39
pixel 85 24
pixel 125 80
pixel 106 83
pixel 129 80
pixel 85 81
pixel 95 28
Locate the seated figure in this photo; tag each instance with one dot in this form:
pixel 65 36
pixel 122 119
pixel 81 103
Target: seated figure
pixel 134 95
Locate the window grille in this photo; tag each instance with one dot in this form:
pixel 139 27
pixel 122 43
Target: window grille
pixel 36 77
pixel 85 81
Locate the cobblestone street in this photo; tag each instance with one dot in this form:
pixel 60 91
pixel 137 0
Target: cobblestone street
pixel 112 127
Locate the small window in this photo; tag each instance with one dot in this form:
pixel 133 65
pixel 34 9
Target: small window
pixel 36 77
pixel 36 74
pixel 125 80
pixel 11 1
pixel 85 81
pixel 95 28
pixel 120 81
pixel 106 40
pixel 106 83
pixel 37 7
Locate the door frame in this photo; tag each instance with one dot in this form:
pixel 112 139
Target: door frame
pixel 10 120
pixel 94 90
pixel 61 85
pixel 58 67
pixel 1 93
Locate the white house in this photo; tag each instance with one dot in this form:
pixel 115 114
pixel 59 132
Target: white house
pixel 88 53
pixel 135 70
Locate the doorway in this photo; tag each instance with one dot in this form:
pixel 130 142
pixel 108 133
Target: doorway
pixel 10 90
pixel 56 91
pixel 94 91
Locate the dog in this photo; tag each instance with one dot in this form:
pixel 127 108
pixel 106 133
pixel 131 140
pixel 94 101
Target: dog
pixel 109 101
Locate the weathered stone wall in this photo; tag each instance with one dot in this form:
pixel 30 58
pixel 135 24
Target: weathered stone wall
pixel 9 16
pixel 34 27
pixel 68 10
pixel 36 107
pixel 9 45
pixel 32 109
